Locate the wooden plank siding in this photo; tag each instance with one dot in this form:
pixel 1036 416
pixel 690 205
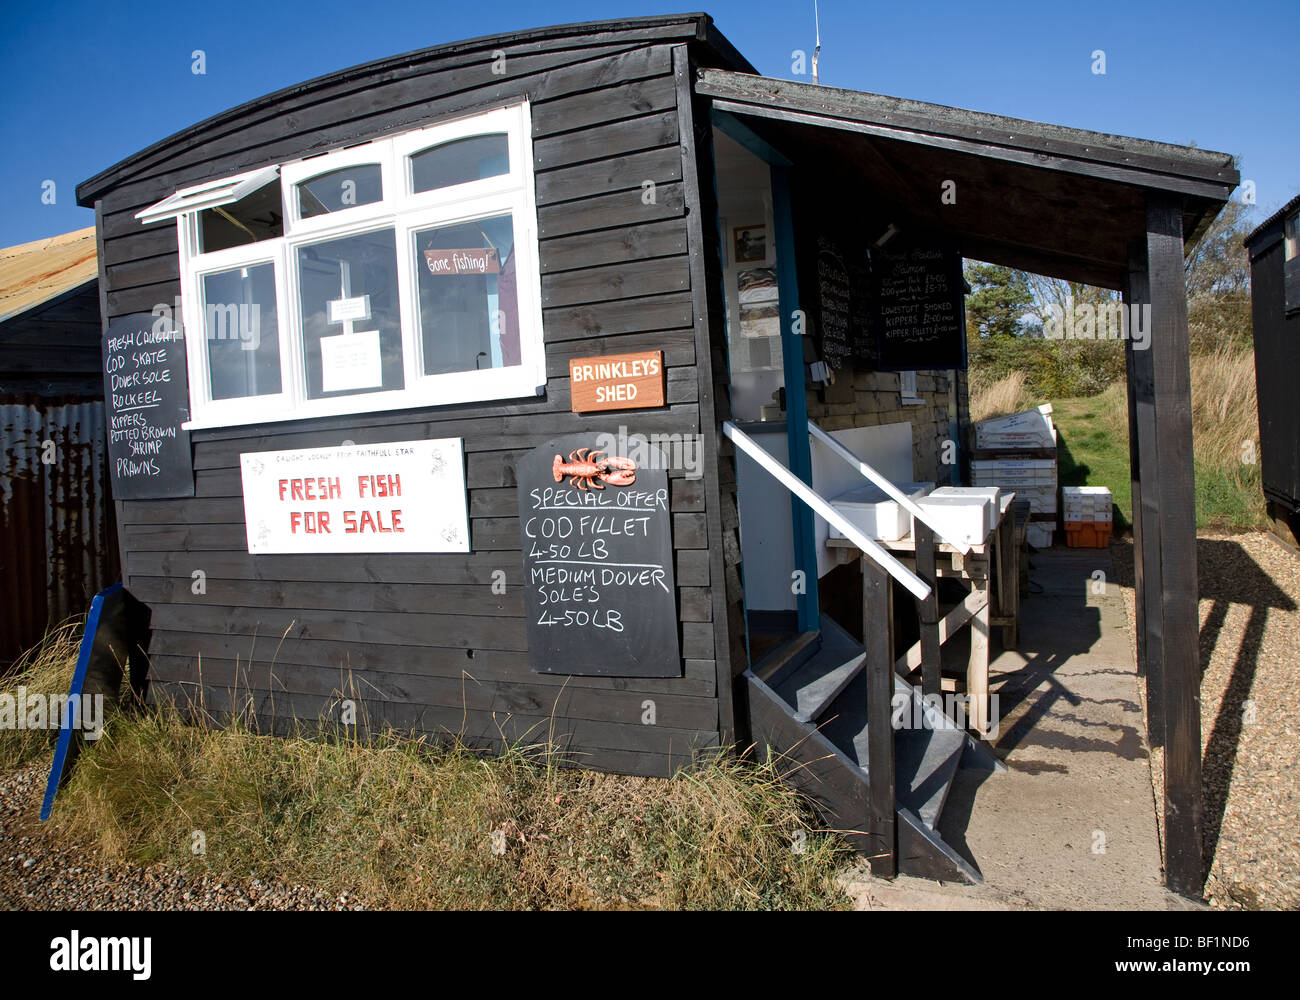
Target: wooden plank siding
pixel 423 638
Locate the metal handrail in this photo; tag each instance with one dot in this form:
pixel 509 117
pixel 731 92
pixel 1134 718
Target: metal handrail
pixel 918 587
pixel 892 491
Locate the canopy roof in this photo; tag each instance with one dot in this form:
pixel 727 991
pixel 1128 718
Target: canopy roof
pixel 1058 201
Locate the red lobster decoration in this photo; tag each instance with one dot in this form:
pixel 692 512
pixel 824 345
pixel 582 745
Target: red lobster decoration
pixel 594 469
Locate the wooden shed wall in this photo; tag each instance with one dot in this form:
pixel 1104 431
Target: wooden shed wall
pixel 1277 358
pixel 421 639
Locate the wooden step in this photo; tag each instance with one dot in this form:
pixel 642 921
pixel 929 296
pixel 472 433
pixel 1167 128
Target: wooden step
pixel 839 786
pixel 925 764
pixel 787 658
pixel 926 758
pixel 817 683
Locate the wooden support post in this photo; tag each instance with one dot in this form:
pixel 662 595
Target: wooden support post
pixel 928 609
pixel 878 637
pixel 1144 465
pixel 1008 579
pixel 1176 516
pixel 977 669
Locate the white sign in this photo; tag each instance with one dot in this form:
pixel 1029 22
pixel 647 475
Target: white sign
pixel 404 496
pixel 351 361
pixel 357 308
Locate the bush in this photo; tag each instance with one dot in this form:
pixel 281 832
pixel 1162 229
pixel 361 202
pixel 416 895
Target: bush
pixel 1052 369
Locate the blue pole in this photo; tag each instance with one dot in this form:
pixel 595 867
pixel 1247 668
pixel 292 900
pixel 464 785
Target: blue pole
pixel 66 731
pixel 796 403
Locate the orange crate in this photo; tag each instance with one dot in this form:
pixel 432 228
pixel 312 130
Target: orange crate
pixel 1087 534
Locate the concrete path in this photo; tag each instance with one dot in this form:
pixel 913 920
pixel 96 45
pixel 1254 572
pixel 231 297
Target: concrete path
pixel 1071 824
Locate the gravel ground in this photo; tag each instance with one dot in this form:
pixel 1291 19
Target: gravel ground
pixel 39 871
pixel 1250 717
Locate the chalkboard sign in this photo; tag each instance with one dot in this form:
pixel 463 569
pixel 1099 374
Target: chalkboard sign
pixel 146 395
pixel 835 295
pixel 917 312
pixel 598 559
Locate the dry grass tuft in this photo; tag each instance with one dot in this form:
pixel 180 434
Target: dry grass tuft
pixel 996 399
pixel 402 823
pixel 46 669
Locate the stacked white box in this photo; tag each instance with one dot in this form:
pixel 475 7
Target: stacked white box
pixel 958 518
pixel 869 509
pixel 1039 535
pixel 1087 504
pixel 1032 479
pixel 1031 429
pixel 991 494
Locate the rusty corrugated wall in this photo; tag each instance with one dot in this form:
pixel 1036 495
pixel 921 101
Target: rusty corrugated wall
pixel 58 542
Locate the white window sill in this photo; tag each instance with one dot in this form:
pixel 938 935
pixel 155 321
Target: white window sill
pixel 521 386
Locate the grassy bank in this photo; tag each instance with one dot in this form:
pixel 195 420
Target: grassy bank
pixel 400 823
pixel 1093 448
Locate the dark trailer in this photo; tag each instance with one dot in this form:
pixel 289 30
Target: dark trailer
pixel 464 402
pixel 1274 249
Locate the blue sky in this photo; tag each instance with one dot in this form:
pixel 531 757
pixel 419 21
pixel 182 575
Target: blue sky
pixel 86 84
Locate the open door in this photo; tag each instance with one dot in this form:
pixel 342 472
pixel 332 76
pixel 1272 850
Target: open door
pixel 766 368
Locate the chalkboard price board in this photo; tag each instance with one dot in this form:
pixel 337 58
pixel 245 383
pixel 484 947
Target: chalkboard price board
pixel 835 293
pixel 146 394
pixel 918 307
pixel 598 560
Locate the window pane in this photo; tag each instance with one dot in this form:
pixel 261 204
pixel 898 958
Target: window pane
pixel 258 217
pixel 352 332
pixel 242 333
pixel 340 189
pixel 460 161
pixel 469 313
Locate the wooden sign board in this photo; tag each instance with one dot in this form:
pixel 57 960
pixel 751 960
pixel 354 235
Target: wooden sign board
pixel 476 260
pixel 844 301
pixel 401 496
pixel 617 382
pixel 919 306
pixel 147 400
pixel 599 589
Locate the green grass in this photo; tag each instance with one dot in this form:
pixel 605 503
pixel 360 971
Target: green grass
pixel 1093 451
pixel 1092 448
pixel 400 823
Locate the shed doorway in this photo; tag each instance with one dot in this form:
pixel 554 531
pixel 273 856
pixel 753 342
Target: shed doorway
pixel 760 282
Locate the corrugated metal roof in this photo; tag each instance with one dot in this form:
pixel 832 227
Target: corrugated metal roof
pixel 32 273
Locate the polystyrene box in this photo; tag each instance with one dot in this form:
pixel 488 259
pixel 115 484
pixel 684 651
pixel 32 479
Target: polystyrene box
pixel 990 493
pixel 869 509
pixel 1040 535
pixel 1032 429
pixel 959 518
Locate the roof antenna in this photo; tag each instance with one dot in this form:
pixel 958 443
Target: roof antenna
pixel 817 50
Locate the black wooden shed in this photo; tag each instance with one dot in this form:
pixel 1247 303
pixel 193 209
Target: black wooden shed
pixel 479 341
pixel 1274 249
pixel 58 545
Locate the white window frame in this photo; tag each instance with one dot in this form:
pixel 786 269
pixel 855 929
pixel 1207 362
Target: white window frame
pixel 405 212
pixel 209 194
pixel 226 412
pixel 293 174
pixel 508 120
